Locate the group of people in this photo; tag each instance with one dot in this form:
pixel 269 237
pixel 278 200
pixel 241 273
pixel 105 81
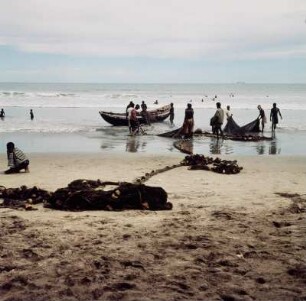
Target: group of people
pixel 131 114
pixel 2 114
pixel 275 112
pixel 217 120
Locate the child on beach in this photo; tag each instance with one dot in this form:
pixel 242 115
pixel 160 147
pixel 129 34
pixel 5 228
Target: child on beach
pixel 17 160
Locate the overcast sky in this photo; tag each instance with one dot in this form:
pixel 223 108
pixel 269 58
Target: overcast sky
pixel 155 41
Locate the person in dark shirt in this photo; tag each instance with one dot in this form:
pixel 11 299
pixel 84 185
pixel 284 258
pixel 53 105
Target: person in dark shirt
pixel 188 121
pixel 31 114
pixel 145 113
pixel 2 113
pixel 274 116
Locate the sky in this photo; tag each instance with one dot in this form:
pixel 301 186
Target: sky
pixel 153 41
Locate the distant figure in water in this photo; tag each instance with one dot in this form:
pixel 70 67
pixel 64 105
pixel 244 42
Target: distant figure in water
pixel 31 114
pixel 156 102
pixel 171 113
pixel 274 116
pixel 17 160
pixel 188 121
pixel 2 113
pixel 262 117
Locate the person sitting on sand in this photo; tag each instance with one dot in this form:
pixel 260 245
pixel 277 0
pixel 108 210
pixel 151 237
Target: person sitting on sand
pixel 188 121
pixel 274 116
pixel 219 115
pixel 2 113
pixel 17 160
pixel 262 117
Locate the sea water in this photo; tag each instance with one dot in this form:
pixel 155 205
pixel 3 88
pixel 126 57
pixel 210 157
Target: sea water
pixel 67 116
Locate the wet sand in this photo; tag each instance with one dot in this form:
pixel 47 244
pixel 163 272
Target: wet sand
pixel 228 237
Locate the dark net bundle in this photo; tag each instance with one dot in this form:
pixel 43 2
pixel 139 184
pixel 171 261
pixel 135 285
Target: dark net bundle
pixel 88 195
pixel 215 165
pixel 232 128
pixel 23 197
pixel 123 196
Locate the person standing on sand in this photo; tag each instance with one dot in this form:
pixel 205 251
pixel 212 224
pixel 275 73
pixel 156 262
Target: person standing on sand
pixel 17 160
pixel 31 114
pixel 219 115
pixel 171 113
pixel 274 116
pixel 262 117
pixel 188 121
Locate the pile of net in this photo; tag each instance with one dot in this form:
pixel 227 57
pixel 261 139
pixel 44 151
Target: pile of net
pixel 82 195
pixel 209 163
pixel 232 131
pixel 23 197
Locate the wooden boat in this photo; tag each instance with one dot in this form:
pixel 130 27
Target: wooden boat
pixel 156 115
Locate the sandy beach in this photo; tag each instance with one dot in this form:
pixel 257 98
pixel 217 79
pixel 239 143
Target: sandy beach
pixel 228 237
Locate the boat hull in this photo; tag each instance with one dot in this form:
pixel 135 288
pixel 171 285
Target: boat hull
pixel 120 119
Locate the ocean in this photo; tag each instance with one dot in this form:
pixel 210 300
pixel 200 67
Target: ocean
pixel 67 116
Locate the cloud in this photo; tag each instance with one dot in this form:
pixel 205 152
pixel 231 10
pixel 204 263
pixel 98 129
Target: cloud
pixel 191 29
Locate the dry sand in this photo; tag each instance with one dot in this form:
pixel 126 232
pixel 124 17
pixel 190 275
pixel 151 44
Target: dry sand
pixel 228 237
